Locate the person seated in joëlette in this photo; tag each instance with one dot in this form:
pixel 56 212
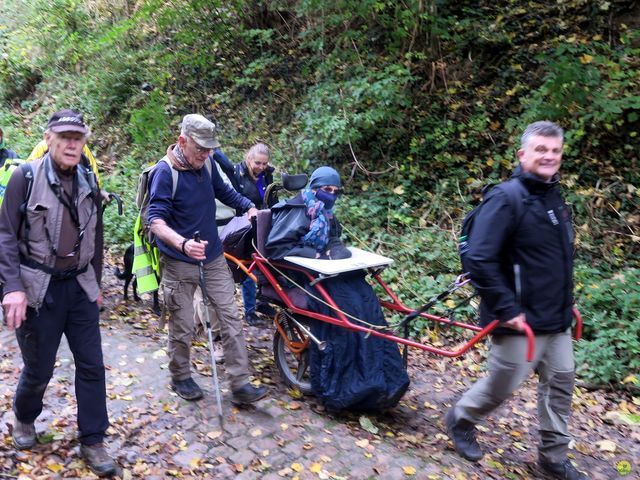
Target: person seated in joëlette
pixel 355 371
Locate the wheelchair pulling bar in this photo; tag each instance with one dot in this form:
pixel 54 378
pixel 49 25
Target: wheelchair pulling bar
pixel 395 305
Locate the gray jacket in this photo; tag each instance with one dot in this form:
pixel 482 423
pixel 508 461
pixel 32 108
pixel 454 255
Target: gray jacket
pixel 45 210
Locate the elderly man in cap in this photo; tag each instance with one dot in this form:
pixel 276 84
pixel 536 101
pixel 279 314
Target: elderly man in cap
pixel 175 216
pixel 51 267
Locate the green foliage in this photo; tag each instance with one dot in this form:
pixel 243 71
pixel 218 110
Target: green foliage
pixel 337 115
pixel 610 351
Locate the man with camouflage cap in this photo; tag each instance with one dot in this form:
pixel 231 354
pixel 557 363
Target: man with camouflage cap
pixel 175 216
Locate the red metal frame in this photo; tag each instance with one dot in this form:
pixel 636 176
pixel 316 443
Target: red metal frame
pixel 395 305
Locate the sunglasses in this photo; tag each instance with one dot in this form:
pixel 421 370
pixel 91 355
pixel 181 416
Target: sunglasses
pixel 333 190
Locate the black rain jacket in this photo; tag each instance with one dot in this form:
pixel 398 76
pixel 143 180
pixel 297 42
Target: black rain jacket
pixel 526 264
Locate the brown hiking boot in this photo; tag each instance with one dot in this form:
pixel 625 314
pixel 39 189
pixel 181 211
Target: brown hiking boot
pixel 98 460
pixel 24 434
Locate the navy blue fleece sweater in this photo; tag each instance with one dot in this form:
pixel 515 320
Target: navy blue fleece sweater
pixel 193 208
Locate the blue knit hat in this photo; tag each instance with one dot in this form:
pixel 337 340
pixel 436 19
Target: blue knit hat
pixel 324 176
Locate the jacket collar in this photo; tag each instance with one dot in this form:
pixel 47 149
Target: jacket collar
pixel 534 183
pixel 53 180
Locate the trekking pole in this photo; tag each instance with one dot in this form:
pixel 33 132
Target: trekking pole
pixel 205 300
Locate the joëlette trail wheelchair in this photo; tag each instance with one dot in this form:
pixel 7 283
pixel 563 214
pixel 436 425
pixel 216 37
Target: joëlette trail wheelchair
pixel 292 335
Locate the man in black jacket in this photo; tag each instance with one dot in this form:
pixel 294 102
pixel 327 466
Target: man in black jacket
pixel 523 268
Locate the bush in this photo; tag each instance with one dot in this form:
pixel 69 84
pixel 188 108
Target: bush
pixel 610 350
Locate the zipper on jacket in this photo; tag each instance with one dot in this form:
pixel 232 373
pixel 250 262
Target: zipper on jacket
pixel 518 283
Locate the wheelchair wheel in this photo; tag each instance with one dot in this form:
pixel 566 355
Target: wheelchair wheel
pixel 291 353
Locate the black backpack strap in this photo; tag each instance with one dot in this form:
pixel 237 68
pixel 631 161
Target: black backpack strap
pixel 27 171
pixel 518 196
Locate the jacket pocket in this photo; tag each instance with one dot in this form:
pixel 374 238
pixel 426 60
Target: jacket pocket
pixel 36 217
pixel 35 284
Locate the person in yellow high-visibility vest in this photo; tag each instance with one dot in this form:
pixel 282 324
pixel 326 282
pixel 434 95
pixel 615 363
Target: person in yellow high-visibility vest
pixel 146 264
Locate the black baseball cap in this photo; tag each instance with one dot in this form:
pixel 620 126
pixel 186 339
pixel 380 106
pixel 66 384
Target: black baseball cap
pixel 67 121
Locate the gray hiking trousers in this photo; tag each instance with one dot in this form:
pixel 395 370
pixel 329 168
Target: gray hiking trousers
pixel 508 368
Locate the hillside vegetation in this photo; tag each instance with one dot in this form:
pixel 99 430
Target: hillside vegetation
pixel 419 104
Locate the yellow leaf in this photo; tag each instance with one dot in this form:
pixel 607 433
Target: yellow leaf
pixel 195 462
pixel 409 470
pixel 450 303
pixel 295 393
pixel 584 59
pixel 284 426
pixel 297 467
pixel 238 467
pixel 214 434
pixel 630 379
pixel 55 467
pixel 315 467
pixel 256 432
pixel 399 190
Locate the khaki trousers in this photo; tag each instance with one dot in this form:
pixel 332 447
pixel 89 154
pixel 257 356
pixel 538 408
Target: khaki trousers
pixel 508 368
pixel 179 282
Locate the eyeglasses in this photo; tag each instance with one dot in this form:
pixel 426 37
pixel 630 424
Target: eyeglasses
pixel 334 190
pixel 200 149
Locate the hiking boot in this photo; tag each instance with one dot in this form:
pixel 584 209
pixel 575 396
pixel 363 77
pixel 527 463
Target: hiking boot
pixel 98 460
pixel 562 470
pixel 187 389
pixel 252 319
pixel 24 435
pixel 218 352
pixel 463 435
pixel 248 394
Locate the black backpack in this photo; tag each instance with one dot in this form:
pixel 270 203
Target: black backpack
pixel 517 195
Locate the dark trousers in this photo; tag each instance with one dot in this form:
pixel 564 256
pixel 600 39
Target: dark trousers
pixel 66 309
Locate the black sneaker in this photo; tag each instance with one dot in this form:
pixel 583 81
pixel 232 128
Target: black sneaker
pixel 248 394
pixel 187 389
pixel 562 470
pixel 463 435
pixel 252 319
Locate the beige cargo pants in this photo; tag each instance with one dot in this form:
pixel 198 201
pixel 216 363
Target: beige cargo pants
pixel 179 282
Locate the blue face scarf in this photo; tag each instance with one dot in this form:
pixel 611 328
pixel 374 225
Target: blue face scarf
pixel 329 199
pixel 319 213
